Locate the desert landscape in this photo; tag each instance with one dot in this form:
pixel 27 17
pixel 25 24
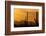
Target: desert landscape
pixel 25 17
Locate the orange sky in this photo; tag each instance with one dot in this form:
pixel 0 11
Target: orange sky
pixel 19 14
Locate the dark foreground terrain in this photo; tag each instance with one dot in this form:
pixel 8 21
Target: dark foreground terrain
pixel 25 24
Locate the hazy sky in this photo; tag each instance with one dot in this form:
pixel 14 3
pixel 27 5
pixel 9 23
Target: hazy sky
pixel 20 14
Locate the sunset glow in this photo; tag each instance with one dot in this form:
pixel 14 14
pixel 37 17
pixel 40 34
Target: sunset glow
pixel 20 14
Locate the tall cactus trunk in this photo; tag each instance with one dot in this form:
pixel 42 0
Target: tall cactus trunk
pixel 26 19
